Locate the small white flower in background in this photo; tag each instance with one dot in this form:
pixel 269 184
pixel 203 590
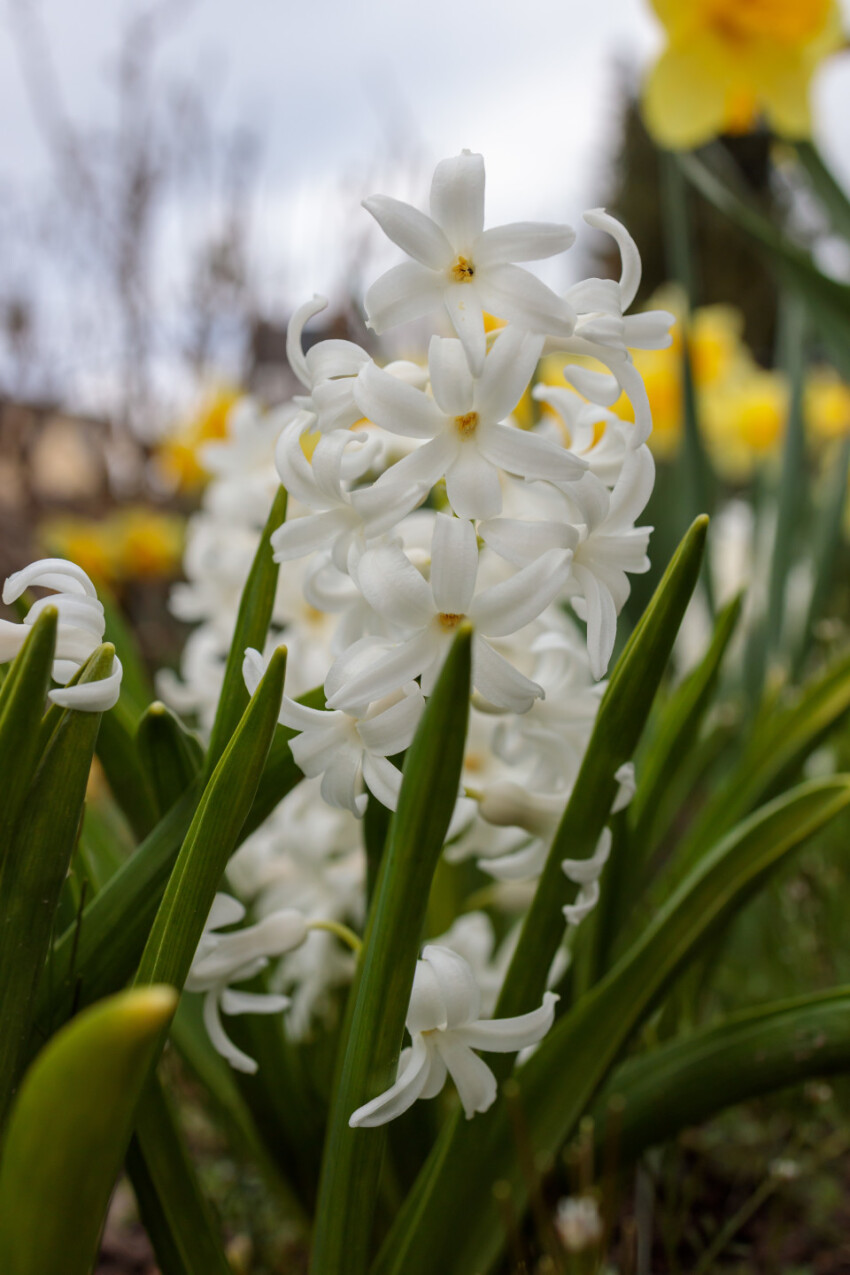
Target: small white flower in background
pixel 459 265
pixel 445 1028
pixel 80 630
pixel 585 873
pixel 233 956
pixel 578 1222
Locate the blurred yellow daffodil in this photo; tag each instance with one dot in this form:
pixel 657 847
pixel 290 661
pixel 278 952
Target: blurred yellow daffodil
pixel 178 456
pixel 134 543
pixel 727 61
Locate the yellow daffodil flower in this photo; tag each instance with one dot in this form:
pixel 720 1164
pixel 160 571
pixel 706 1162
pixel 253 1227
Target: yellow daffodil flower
pixel 178 456
pixel 727 61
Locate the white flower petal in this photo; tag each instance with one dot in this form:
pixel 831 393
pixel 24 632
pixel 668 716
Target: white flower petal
pixel 499 682
pixel 383 780
pixel 48 573
pixel 225 911
pixel 391 585
pixel 523 241
pixel 454 564
pixel 413 231
pixel 235 1002
pixel 426 465
pixel 599 387
pixel 91 697
pixel 601 620
pixel 519 296
pixel 631 269
pixel 459 990
pixel 396 406
pixel 451 379
pixel 463 306
pixel 506 607
pixel 523 542
pixel 400 1096
pixel 220 1040
pixel 474 1081
pixel 518 451
pixel 402 294
pixel 472 483
pixel 504 1035
pixel 390 670
pixel 507 370
pixel 457 199
pixel 391 731
pixel 294 348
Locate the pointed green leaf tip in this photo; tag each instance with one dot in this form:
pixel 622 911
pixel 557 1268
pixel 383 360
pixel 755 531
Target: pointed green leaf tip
pixel 69 1130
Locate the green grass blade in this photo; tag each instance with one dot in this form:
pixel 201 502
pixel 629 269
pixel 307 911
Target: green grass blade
pixel 170 756
pixel 136 688
pixel 378 1003
pixel 20 720
pixel 826 543
pixel 252 626
pixel 213 836
pixel 451 1223
pixel 688 1081
pixel 175 1214
pixel 68 1132
pixel 35 870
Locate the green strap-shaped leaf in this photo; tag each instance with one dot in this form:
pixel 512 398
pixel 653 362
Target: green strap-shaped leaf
pixel 825 187
pixel 828 533
pixel 100 954
pixel 780 743
pixel 36 866
pixel 619 722
pixel 20 720
pixel 213 836
pixel 688 1081
pixel 174 1212
pixel 122 765
pixel 827 300
pixel 451 1222
pixel 252 626
pixel 68 1133
pixel 371 1040
pixel 170 755
pixel 678 728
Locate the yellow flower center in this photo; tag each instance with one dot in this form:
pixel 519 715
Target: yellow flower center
pixel 788 21
pixel 466 424
pixel 449 619
pixel 463 271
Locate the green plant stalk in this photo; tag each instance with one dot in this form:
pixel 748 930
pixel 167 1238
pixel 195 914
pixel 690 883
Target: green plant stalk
pixel 20 722
pixel 173 1210
pixel 377 1008
pixel 450 1221
pixel 68 1131
pixel 666 1090
pixel 35 869
pixel 212 836
pixel 252 626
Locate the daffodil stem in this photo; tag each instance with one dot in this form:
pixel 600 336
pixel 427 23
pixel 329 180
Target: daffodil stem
pixel 342 932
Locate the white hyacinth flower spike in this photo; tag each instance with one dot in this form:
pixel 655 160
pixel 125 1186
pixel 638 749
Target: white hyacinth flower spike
pixel 460 266
pixel 446 1029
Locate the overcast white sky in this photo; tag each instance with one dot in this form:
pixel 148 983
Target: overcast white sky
pixel 530 83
